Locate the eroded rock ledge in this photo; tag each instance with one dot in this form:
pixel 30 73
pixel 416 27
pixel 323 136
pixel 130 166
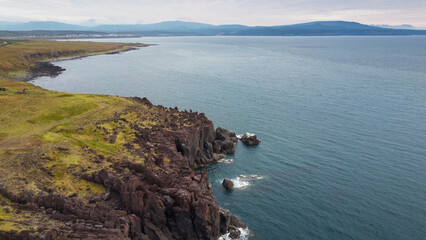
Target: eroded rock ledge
pixel 161 198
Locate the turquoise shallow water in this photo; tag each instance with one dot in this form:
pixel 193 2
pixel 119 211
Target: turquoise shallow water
pixel 341 119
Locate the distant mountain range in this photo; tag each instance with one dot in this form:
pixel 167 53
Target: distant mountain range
pixel 322 28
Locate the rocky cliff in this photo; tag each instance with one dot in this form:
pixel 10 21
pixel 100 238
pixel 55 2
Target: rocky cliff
pixel 123 169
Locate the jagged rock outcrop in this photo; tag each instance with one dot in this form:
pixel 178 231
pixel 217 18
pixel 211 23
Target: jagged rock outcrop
pixel 163 198
pixel 250 139
pixel 223 134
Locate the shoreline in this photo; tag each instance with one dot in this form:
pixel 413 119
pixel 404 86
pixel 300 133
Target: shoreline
pixel 147 170
pixel 47 68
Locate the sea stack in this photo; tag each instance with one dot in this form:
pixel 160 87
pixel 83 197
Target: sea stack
pixel 228 184
pixel 250 139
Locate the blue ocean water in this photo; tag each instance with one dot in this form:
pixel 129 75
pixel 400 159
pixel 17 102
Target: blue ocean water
pixel 341 119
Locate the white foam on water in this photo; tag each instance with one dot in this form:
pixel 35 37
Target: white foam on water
pixel 245 233
pixel 239 136
pixel 243 181
pixel 251 177
pixel 223 160
pixel 238 183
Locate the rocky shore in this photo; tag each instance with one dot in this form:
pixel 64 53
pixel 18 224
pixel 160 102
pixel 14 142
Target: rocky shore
pixel 26 60
pixel 161 198
pixel 84 166
pixel 48 69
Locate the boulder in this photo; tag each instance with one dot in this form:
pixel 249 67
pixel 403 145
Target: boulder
pixel 228 184
pixel 249 139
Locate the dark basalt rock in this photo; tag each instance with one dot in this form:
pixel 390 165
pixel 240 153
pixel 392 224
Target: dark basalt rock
pixel 230 224
pixel 228 147
pixel 224 142
pixel 223 134
pixel 46 69
pixel 228 184
pixel 158 200
pixel 250 139
pixel 237 222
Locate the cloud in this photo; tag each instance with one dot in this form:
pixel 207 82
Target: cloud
pixel 249 12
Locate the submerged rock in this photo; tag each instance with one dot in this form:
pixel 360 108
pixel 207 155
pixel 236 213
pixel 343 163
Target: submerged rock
pixel 250 139
pixel 228 184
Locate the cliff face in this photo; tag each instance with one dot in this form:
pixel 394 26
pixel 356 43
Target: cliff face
pixel 138 180
pixel 173 202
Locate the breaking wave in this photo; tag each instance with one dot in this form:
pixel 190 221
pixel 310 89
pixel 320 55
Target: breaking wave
pixel 239 136
pixel 245 233
pixel 243 181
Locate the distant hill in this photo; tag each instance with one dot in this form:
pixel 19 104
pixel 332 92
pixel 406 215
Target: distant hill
pixel 42 25
pixel 325 28
pixel 163 27
pixel 322 28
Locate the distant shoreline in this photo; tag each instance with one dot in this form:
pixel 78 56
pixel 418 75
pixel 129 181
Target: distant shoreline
pixel 48 69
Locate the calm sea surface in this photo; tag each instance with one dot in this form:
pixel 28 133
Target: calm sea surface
pixel 342 122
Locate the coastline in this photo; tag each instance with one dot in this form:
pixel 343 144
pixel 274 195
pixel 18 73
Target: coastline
pixel 47 68
pixel 137 160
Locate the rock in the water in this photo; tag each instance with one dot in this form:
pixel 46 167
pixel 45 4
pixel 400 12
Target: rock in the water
pixel 234 233
pixel 250 139
pixel 228 184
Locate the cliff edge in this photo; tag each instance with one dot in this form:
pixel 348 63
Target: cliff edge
pixel 82 166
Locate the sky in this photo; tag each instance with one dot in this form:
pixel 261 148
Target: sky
pixel 247 12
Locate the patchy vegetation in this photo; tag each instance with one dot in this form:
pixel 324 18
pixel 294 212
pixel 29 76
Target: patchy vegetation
pixel 49 140
pixel 18 57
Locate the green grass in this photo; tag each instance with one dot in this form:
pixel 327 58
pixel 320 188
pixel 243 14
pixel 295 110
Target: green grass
pixel 18 56
pixel 43 121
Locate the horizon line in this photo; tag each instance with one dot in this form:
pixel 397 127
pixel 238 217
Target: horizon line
pixel 82 24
